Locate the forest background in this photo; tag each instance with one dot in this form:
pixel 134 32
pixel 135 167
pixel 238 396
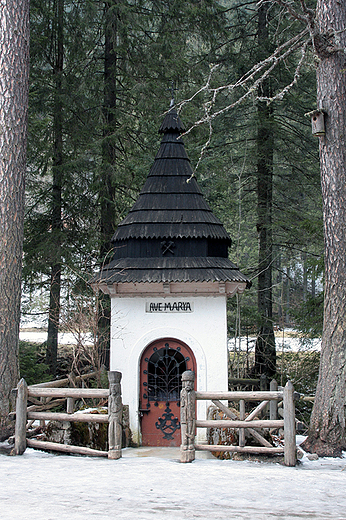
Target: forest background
pixel 100 81
pixel 101 78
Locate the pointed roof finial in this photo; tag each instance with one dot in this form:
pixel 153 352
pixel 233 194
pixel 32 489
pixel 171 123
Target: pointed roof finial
pixel 172 92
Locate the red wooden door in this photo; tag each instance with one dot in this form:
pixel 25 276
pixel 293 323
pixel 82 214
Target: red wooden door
pixel 161 367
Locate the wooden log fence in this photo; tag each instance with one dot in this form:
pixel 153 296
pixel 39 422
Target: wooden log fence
pixel 34 393
pixel 241 382
pixel 46 403
pixel 67 380
pixel 189 423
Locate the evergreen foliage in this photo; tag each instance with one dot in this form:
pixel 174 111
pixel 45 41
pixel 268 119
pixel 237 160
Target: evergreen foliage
pixel 152 44
pixel 309 316
pixel 31 363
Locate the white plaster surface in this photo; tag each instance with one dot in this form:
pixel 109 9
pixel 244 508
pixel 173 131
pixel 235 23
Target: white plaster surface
pixel 204 330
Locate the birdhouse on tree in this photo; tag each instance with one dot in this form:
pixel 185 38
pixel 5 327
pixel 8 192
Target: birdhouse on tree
pixel 169 281
pixel 317 122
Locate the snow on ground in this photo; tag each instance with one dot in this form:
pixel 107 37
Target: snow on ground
pixel 64 338
pixel 288 343
pixel 44 486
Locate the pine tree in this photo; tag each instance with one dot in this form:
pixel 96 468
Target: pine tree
pixel 268 156
pixel 327 432
pixel 96 95
pixel 14 72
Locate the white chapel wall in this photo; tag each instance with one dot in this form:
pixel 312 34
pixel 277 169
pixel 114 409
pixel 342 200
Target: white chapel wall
pixel 199 322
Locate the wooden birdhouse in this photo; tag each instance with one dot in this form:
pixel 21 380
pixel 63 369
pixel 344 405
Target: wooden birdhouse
pixel 317 122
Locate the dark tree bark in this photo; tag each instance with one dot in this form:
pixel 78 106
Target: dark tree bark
pixel 265 355
pixel 56 219
pixel 107 186
pixel 327 433
pixel 14 70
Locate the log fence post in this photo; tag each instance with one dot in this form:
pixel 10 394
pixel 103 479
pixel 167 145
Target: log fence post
pixel 43 401
pixel 290 453
pixel 273 406
pixel 115 411
pixel 187 417
pixel 21 417
pixel 242 418
pixel 70 405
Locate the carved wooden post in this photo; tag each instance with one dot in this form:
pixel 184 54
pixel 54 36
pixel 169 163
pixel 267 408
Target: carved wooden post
pixel 21 415
pixel 115 411
pixel 187 417
pixel 273 407
pixel 289 425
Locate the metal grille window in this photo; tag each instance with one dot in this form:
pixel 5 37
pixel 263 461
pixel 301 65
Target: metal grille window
pixel 165 368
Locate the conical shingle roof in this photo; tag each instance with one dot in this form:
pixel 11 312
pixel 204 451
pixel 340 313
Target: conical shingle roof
pixel 171 204
pixel 170 234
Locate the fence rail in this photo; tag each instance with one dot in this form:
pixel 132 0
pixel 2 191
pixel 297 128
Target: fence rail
pixel 241 382
pixel 67 380
pixel 189 423
pixel 32 393
pixel 241 395
pixel 76 393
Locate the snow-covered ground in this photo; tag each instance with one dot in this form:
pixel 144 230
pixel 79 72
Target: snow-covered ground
pixel 65 338
pixel 283 343
pixel 287 343
pixel 43 486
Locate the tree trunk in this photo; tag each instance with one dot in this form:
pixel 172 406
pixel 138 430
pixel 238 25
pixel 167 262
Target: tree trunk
pixel 14 70
pixel 55 279
pixel 265 355
pixel 107 189
pixel 327 435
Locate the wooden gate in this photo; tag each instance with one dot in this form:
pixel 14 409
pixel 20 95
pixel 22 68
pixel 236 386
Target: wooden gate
pixel 162 365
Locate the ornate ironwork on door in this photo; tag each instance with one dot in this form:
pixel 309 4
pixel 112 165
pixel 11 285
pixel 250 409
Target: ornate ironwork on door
pixel 168 424
pixel 164 370
pixel 162 366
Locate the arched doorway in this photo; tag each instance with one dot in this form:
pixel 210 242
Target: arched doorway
pixel 161 367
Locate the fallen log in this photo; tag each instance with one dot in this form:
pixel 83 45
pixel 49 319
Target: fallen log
pixel 66 448
pixel 239 449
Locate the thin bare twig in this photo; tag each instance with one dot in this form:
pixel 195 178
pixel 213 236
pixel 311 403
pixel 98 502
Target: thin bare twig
pixel 249 82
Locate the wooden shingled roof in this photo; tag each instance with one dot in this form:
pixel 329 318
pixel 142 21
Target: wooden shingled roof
pixel 166 270
pixel 170 234
pixel 171 204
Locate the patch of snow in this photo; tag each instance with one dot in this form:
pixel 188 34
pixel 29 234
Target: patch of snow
pixel 287 344
pixel 64 338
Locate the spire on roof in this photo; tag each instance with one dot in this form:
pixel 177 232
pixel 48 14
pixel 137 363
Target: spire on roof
pixel 172 123
pixel 172 92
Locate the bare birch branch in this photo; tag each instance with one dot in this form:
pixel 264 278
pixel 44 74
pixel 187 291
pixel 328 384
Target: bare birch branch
pixel 271 62
pixel 249 82
pixel 280 95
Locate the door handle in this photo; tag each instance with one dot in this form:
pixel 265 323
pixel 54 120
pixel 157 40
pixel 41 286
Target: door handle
pixel 142 411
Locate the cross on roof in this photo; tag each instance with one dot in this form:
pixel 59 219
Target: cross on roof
pixel 172 89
